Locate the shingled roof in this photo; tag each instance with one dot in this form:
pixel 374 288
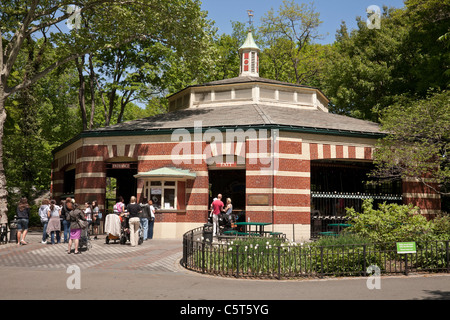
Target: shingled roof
pixel 255 115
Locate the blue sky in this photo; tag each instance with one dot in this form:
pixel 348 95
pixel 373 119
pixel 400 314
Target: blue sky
pixel 332 12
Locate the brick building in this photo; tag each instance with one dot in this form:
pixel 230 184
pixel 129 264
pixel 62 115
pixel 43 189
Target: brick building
pixel 272 147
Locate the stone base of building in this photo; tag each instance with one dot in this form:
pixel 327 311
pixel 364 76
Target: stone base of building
pixel 175 230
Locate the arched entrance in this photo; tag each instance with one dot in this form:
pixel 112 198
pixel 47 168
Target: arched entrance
pixel 228 179
pixel 120 178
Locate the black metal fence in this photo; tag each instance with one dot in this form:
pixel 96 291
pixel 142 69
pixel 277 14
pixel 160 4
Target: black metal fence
pixel 330 207
pixel 247 258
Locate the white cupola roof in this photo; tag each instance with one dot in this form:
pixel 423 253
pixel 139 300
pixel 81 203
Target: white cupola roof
pixel 249 57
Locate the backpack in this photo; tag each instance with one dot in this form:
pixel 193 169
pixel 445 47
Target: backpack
pixel 118 207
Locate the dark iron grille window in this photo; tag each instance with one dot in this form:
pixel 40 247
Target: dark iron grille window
pixel 336 186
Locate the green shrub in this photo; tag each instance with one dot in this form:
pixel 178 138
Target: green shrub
pixel 390 223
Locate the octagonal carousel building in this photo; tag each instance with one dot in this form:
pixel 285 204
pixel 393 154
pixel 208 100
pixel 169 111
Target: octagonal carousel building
pixel 271 147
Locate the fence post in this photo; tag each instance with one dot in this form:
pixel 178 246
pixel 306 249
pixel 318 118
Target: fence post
pixel 406 264
pixel 203 256
pixel 321 261
pixel 279 263
pixel 364 260
pixel 448 255
pixel 237 261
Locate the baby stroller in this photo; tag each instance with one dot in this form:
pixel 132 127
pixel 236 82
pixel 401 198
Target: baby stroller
pixel 113 227
pixel 85 239
pixel 125 231
pixel 3 233
pixel 226 222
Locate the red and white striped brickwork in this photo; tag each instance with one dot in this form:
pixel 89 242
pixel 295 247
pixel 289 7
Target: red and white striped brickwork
pixel 286 184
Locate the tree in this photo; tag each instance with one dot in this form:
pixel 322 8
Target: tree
pixel 176 23
pixel 417 144
pixel 371 69
pixel 288 50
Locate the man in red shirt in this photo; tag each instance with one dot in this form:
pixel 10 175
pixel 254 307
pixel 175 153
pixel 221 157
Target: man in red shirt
pixel 217 207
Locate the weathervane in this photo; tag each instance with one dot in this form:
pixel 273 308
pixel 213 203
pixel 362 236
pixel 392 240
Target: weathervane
pixel 250 18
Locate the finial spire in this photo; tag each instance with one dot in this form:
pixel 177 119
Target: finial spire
pixel 250 19
pixel 249 52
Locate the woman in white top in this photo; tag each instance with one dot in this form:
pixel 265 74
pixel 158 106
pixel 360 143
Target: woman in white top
pixel 95 218
pixel 54 224
pixel 151 220
pixel 88 213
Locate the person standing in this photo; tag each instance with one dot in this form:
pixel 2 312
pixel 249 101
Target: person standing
pixel 66 207
pixel 144 217
pixel 43 214
pixel 151 221
pixel 23 217
pixel 75 228
pixel 54 224
pixel 133 210
pixel 229 207
pixel 88 213
pixel 95 218
pixel 217 207
pixel 119 207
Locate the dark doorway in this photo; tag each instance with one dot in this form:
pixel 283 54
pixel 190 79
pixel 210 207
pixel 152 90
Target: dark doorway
pixel 126 183
pixel 229 183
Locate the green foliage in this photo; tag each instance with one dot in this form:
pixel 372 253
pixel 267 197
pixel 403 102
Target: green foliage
pixel 387 224
pixel 371 69
pixel 289 53
pixel 343 239
pixel 418 141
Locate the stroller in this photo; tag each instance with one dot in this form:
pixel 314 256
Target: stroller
pixel 3 233
pixel 85 239
pixel 226 222
pixel 125 231
pixel 113 227
pixel 117 228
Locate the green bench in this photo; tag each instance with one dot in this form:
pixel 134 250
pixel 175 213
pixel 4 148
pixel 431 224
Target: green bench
pixel 329 234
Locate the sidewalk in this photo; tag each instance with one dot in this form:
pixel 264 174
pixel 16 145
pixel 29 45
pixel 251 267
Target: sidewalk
pixel 151 271
pixel 152 255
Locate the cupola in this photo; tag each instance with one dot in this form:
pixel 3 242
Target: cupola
pixel 249 57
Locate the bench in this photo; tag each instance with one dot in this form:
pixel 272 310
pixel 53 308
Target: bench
pixel 329 233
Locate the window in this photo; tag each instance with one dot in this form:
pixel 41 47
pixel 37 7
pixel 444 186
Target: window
pixel 162 193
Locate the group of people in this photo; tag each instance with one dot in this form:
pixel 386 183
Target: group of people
pixel 140 216
pixel 217 207
pixel 55 218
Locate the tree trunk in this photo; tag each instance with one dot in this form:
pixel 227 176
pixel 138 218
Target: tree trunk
pixel 91 78
pixel 81 91
pixel 3 191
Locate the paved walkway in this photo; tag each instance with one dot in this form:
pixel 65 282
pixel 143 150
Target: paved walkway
pixel 151 271
pixel 155 255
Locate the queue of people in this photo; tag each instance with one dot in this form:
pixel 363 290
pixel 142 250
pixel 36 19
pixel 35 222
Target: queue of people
pixel 61 222
pixel 140 216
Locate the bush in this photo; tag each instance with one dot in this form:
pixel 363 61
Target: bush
pixel 390 223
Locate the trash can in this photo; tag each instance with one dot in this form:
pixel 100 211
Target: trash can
pixel 208 232
pixel 13 230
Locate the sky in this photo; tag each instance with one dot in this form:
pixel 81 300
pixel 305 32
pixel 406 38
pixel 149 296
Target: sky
pixel 332 12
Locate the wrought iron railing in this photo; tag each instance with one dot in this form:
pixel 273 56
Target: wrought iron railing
pixel 290 260
pixel 330 207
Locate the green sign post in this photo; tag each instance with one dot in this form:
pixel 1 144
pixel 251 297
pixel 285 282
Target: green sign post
pixel 406 247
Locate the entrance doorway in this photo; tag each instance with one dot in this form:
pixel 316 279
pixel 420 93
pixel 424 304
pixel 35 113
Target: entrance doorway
pixel 126 183
pixel 229 183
